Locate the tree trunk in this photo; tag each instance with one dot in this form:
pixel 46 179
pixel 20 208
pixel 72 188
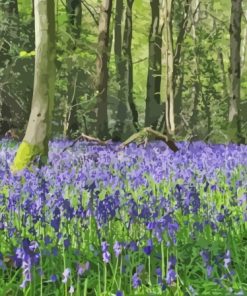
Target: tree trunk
pixel 235 72
pixel 124 69
pixel 153 111
pixel 35 142
pixel 10 12
pixel 127 58
pixel 74 12
pixel 102 68
pixel 120 72
pixel 177 72
pixel 170 117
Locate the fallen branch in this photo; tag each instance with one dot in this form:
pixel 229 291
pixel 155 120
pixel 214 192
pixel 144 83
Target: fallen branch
pixel 141 137
pixel 148 133
pixel 87 138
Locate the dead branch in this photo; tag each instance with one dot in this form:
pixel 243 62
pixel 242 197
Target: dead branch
pixel 142 136
pixel 87 138
pixel 147 133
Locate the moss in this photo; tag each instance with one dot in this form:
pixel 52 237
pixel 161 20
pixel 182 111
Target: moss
pixel 25 155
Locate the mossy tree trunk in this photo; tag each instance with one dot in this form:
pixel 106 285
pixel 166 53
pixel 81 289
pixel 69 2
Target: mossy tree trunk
pixel 35 142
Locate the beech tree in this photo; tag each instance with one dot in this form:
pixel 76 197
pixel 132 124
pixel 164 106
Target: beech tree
pixel 9 10
pixel 152 112
pixel 74 12
pixel 102 68
pixel 235 71
pixel 35 142
pixel 124 68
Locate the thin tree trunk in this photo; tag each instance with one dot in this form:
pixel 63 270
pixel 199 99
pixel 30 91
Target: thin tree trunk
pixel 244 44
pixel 225 93
pixel 127 57
pixel 196 85
pixel 177 71
pixel 152 112
pixel 235 71
pixel 102 68
pixel 170 118
pixel 74 13
pixel 120 70
pixel 35 142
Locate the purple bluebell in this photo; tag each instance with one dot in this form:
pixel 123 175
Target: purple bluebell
pixel 105 253
pixel 171 276
pixel 117 248
pixel 82 268
pixel 136 281
pixel 227 259
pixel 66 275
pixel 148 248
pixel 53 278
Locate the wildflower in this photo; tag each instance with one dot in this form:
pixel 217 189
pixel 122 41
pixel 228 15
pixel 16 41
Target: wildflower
pixel 71 290
pixel 148 248
pixel 171 276
pixel 105 252
pixel 136 281
pixel 117 248
pixel 82 268
pixel 119 293
pixel 66 275
pixel 227 259
pixel 66 243
pixel 53 278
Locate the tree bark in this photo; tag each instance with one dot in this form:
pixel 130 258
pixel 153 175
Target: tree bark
pixel 74 12
pixel 120 72
pixel 102 68
pixel 10 12
pixel 35 142
pixel 235 72
pixel 124 67
pixel 153 112
pixel 170 117
pixel 127 58
pixel 177 72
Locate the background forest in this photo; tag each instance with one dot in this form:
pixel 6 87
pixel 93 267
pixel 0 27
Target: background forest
pixel 107 218
pixel 168 66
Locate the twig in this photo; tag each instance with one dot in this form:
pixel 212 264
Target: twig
pixel 84 3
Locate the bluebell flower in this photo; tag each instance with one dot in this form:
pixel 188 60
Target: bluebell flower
pixel 105 253
pixel 148 248
pixel 71 290
pixel 66 275
pixel 53 278
pixel 117 248
pixel 227 259
pixel 136 281
pixel 82 268
pixel 171 276
pixel 133 246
